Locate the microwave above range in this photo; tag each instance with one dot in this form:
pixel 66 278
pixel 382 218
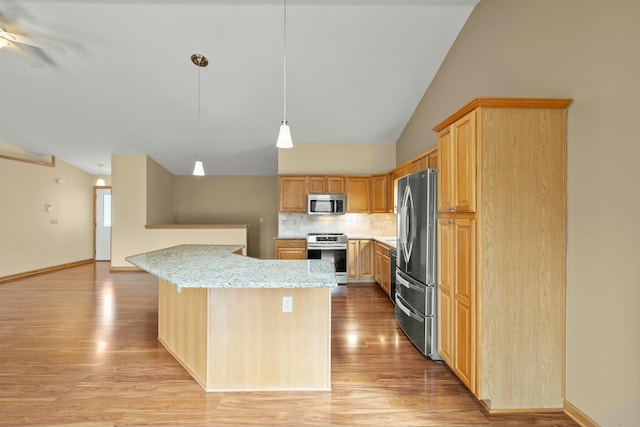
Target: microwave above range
pixel 326 204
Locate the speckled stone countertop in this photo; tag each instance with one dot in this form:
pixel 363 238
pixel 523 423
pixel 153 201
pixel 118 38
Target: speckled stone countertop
pixel 215 266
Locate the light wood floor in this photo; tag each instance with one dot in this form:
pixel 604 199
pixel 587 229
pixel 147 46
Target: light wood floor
pixel 78 347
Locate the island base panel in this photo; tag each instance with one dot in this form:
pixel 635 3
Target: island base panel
pixel 239 339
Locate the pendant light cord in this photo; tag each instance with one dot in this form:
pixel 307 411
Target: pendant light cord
pixel 284 65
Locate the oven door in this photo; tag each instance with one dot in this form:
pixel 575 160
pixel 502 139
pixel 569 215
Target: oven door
pixel 338 258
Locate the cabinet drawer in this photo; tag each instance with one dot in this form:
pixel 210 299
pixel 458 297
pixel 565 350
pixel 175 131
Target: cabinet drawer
pixel 286 243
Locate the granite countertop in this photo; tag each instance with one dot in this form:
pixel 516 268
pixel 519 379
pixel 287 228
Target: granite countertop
pixel 215 266
pixel 389 241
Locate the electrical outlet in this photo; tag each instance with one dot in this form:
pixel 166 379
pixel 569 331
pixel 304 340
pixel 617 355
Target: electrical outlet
pixel 287 304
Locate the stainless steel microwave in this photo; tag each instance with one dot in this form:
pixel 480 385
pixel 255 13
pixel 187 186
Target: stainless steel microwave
pixel 326 204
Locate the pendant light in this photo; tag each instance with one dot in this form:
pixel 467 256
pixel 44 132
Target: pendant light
pixel 200 61
pixel 284 138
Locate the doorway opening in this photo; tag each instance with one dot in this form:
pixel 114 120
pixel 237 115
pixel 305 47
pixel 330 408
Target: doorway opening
pixel 102 223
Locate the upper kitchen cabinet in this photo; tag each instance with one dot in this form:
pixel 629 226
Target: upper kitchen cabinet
pixel 457 150
pixel 502 257
pixel 293 193
pixel 380 193
pixel 326 184
pixel 358 194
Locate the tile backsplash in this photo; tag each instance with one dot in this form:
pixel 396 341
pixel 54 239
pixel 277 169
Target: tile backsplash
pixel 353 225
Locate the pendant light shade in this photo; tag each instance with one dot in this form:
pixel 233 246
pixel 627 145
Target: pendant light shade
pixel 198 169
pixel 284 138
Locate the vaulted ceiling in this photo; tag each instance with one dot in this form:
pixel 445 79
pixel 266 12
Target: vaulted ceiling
pixel 355 71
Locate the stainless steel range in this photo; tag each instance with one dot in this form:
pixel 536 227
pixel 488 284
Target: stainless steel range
pixel 332 247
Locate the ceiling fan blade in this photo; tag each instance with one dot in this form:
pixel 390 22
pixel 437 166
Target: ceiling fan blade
pixel 26 56
pixel 33 41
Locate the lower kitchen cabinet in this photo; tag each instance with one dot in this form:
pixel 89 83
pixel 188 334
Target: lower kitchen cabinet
pixel 360 262
pixel 456 296
pixel 291 249
pixel 382 266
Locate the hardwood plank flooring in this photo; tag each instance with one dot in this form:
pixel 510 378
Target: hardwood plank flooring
pixel 79 347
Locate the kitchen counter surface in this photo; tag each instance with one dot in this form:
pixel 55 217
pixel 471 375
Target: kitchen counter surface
pixel 215 266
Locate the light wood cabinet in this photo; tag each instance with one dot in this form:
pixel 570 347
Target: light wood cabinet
pixel 419 164
pixel 358 190
pixel 432 161
pixel 291 249
pixel 326 184
pixel 457 150
pixel 501 257
pixel 382 266
pixel 360 259
pixel 456 258
pixel 380 193
pixel 293 193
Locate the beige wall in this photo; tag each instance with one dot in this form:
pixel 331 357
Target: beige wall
pixel 337 158
pixel 586 50
pixel 28 240
pixel 159 194
pixel 128 206
pixel 140 184
pixel 251 200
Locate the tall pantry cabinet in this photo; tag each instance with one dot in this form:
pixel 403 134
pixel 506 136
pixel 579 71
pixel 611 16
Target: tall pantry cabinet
pixel 501 257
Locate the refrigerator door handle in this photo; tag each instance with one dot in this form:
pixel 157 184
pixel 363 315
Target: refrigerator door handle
pixel 408 312
pixel 407 284
pixel 406 229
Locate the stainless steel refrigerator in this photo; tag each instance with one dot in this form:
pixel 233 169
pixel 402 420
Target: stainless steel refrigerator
pixel 416 265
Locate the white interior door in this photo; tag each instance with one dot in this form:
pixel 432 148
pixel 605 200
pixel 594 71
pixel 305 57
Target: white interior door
pixel 103 224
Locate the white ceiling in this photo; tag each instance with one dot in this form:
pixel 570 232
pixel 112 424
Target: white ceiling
pixel 356 69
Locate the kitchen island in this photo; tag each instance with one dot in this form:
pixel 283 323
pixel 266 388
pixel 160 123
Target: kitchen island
pixel 221 316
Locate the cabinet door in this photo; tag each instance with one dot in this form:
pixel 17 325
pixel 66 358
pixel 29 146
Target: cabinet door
pixel 366 259
pixel 291 253
pixel 335 184
pixel 360 254
pixel 379 194
pixel 358 194
pixel 464 168
pixel 293 194
pixel 464 292
pixel 445 283
pixel 445 172
pixel 456 297
pixel 457 171
pixel 382 266
pixel 353 252
pixel 433 160
pixel 386 278
pixel 317 184
pixel 419 164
